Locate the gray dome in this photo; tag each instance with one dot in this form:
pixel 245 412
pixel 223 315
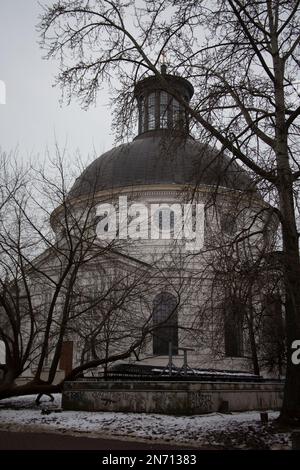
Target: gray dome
pixel 154 159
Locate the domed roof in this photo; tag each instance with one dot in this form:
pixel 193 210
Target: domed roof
pixel 159 158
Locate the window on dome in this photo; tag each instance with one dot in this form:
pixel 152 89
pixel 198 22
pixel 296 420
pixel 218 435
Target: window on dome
pixel 165 322
pixel 177 114
pixel 163 112
pixel 141 115
pixel 151 111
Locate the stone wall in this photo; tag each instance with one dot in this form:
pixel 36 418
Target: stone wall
pixel 171 397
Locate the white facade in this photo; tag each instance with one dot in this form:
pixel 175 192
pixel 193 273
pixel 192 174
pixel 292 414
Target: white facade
pixel 144 294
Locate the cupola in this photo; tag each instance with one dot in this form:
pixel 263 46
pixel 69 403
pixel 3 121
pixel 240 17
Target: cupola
pixel 160 110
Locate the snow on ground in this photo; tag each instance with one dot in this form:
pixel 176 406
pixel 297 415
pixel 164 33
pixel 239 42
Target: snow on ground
pixel 235 430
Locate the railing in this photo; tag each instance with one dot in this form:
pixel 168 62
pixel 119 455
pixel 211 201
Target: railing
pixel 176 375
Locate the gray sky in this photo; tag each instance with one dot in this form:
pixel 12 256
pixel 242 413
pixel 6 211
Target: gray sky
pixel 32 117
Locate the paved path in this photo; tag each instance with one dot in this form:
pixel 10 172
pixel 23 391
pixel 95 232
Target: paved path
pixel 43 441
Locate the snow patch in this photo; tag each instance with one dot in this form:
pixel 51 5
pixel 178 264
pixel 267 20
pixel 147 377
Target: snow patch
pixel 235 430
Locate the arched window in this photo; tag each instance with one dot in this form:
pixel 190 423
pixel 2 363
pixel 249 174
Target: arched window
pixel 233 328
pixel 228 224
pixel 165 321
pixel 272 324
pixel 273 337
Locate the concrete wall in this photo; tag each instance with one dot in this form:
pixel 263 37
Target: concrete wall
pixel 171 397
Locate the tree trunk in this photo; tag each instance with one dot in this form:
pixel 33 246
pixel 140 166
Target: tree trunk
pixel 290 411
pixel 30 388
pixel 291 404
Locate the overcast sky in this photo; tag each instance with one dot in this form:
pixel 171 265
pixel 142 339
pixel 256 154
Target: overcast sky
pixel 32 117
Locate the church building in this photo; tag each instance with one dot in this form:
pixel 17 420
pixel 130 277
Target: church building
pixel 170 229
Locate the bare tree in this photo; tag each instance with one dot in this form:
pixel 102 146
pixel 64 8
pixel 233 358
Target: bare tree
pixel 243 58
pixel 41 268
pixel 247 293
pixel 60 284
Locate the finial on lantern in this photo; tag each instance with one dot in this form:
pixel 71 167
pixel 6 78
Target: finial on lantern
pixel 163 67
